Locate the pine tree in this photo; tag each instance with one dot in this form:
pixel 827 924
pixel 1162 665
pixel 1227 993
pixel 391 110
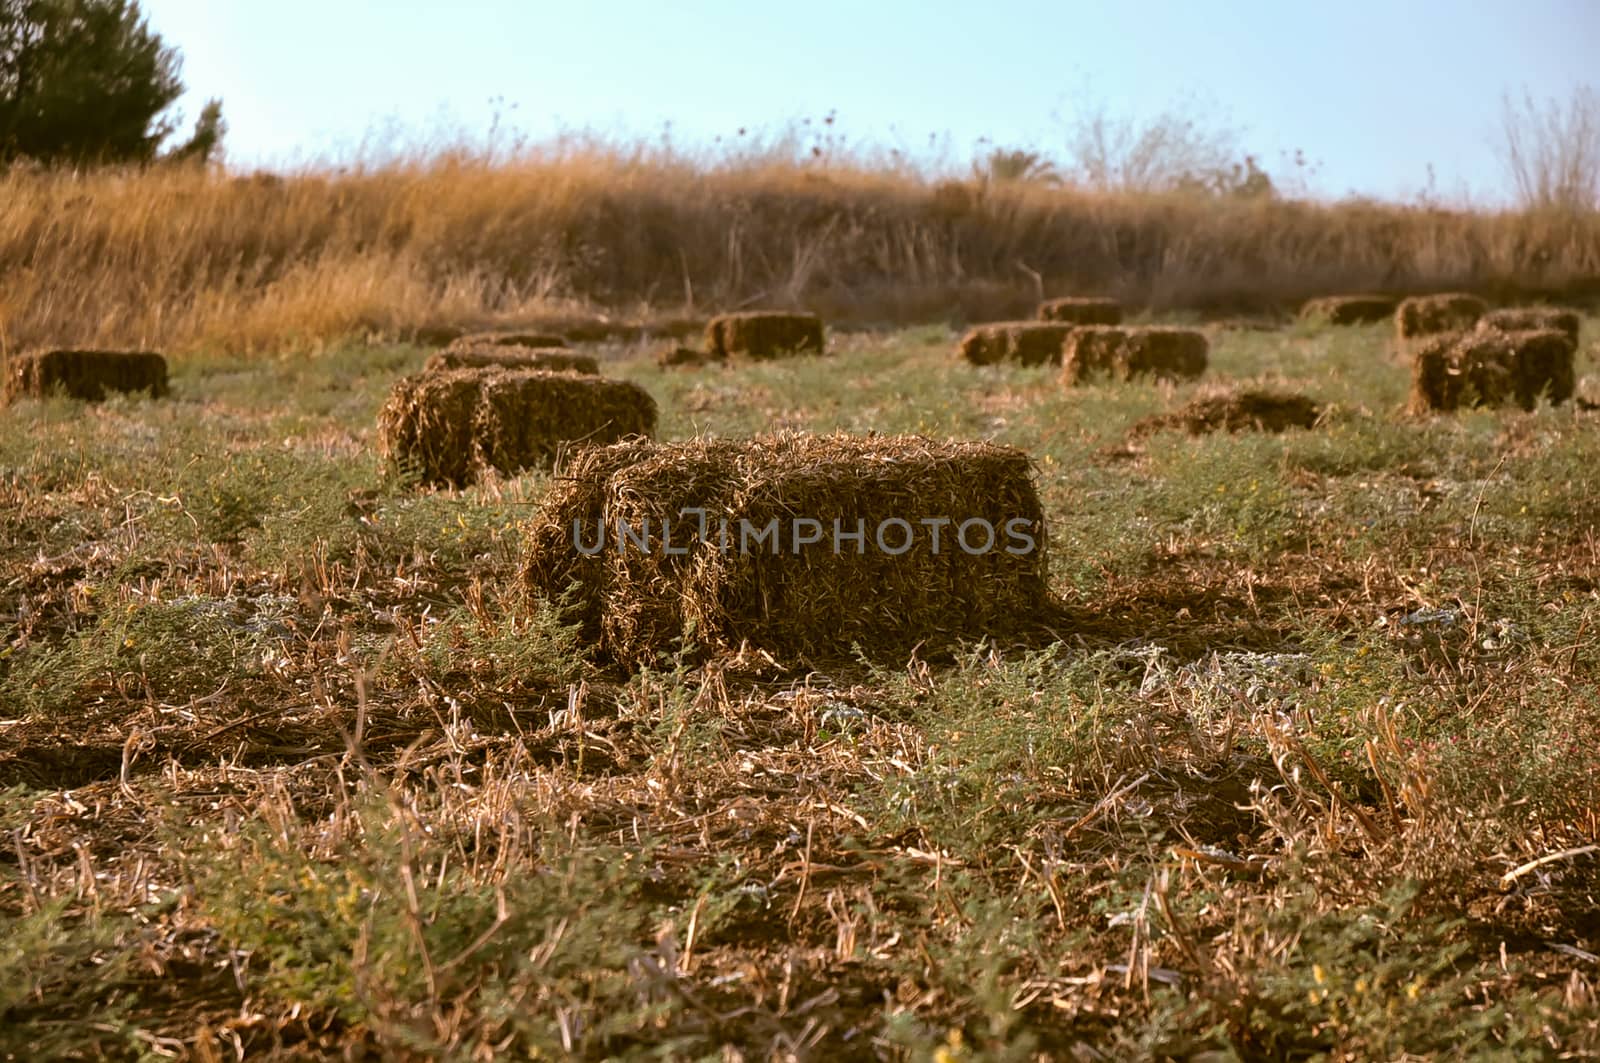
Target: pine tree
pixel 88 81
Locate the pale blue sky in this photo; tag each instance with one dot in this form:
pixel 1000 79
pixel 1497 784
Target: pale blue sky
pixel 1374 92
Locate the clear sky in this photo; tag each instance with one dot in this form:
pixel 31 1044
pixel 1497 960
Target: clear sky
pixel 1373 92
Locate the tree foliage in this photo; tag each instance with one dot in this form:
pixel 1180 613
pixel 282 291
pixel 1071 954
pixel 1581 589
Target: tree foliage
pixel 1182 148
pixel 1008 165
pixel 88 81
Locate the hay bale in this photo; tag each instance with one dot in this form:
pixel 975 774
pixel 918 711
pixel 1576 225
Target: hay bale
pixel 86 375
pixel 1488 367
pixel 1082 310
pixel 711 537
pixel 679 357
pixel 1542 366
pixel 984 345
pixel 434 335
pixel 1349 309
pixel 509 339
pixel 1229 411
pixel 1532 318
pixel 1124 353
pixel 1023 342
pixel 762 334
pixel 550 359
pixel 1431 315
pixel 427 425
pixel 1249 323
pixel 449 425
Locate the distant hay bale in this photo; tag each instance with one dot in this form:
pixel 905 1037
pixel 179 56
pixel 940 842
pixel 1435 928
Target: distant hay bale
pixel 1349 309
pixel 86 375
pixel 1082 310
pixel 1023 342
pixel 1530 318
pixel 1248 323
pixel 1430 315
pixel 1489 367
pixel 1125 352
pixel 550 359
pixel 763 334
pixel 1241 411
pixel 448 425
pixel 509 339
pixel 679 357
pixel 984 345
pixel 434 335
pixel 729 543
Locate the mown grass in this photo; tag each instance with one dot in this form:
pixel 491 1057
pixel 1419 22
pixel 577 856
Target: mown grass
pixel 291 769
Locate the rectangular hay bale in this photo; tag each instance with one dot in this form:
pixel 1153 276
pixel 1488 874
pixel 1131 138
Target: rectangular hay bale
pixel 509 339
pixel 549 359
pixel 1125 352
pixel 711 540
pixel 764 334
pixel 432 335
pixel 678 356
pixel 1429 315
pixel 86 375
pixel 1082 310
pixel 1349 309
pixel 1024 342
pixel 1489 367
pixel 450 425
pixel 1530 318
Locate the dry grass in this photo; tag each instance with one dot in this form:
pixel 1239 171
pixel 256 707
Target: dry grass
pixel 180 261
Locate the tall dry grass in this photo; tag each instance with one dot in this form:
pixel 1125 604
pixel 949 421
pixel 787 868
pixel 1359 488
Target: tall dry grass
pixel 181 259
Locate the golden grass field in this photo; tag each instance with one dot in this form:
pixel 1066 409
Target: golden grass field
pixel 183 259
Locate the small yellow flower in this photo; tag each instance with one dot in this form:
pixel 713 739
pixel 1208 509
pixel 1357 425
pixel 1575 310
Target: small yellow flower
pixel 1318 975
pixel 952 1050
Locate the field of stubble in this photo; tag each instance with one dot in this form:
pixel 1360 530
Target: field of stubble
pixel 289 767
